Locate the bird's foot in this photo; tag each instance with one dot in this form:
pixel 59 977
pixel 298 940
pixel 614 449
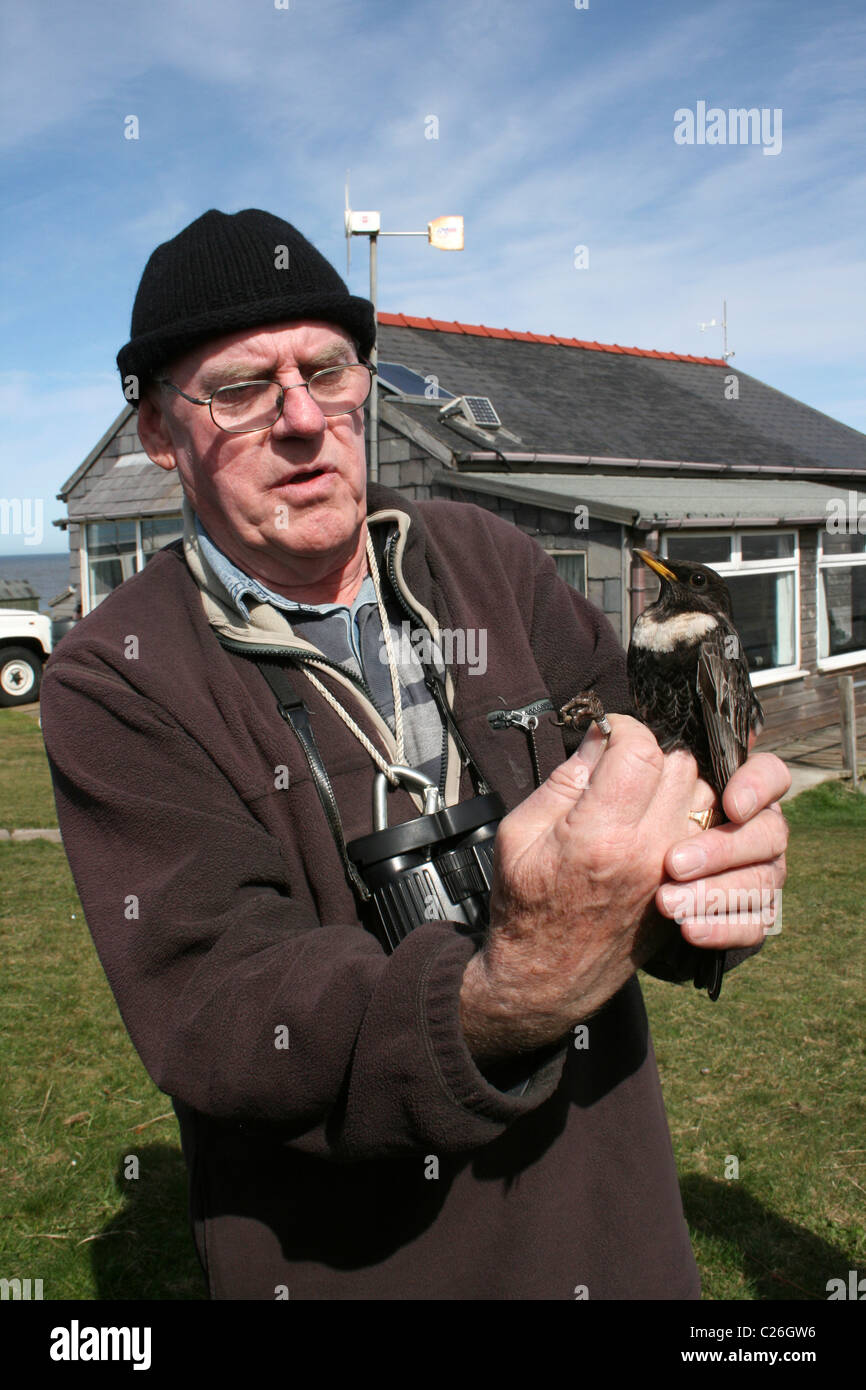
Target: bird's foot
pixel 584 706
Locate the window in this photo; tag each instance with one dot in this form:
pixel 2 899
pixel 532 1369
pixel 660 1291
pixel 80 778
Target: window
pixel 158 531
pixel 841 599
pixel 760 569
pixel 571 566
pixel 111 547
pixel 115 550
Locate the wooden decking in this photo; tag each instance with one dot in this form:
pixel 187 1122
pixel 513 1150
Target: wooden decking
pixel 820 748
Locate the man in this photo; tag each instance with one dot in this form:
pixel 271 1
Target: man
pixel 428 1123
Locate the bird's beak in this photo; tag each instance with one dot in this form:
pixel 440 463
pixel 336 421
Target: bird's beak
pixel 655 564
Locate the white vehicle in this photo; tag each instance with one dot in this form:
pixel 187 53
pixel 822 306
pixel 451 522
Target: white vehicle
pixel 25 646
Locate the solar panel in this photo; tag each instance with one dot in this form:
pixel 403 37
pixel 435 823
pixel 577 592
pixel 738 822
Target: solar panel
pixel 481 410
pixel 409 383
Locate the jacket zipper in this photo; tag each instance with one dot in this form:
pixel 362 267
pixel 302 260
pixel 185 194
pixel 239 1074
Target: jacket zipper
pixel 527 720
pixel 504 718
pixel 434 685
pixel 430 681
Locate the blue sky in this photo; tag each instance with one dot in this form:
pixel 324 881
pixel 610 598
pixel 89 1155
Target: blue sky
pixel 555 129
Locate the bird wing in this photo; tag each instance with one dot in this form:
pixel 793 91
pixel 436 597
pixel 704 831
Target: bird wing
pixel 730 707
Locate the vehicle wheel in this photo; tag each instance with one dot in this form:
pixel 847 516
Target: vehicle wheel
pixel 20 676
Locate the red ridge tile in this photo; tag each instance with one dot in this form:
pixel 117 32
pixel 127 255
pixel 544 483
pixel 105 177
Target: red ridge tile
pixel 481 330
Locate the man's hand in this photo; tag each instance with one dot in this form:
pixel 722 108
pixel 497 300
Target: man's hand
pixel 579 875
pixel 721 887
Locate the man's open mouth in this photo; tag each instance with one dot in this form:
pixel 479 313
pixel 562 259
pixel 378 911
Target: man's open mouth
pixel 304 476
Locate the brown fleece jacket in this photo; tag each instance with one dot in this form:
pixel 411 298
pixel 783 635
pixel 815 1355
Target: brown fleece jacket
pixel 342 1142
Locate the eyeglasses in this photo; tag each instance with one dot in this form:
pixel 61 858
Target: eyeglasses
pixel 248 406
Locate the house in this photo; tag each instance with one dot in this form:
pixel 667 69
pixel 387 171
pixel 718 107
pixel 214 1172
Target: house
pixel 18 594
pixel 593 449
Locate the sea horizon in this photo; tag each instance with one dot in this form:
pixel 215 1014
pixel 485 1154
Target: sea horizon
pixel 47 572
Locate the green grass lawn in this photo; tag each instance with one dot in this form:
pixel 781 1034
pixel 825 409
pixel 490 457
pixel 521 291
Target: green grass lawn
pixel 771 1075
pixel 26 798
pixel 75 1106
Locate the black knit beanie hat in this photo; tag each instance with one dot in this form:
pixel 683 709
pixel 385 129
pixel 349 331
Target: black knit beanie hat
pixel 228 271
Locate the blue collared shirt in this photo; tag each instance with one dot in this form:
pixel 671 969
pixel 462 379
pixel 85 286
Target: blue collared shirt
pixel 352 636
pixel 239 585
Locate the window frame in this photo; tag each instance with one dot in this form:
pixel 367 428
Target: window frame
pixel 138 553
pixel 554 554
pixel 737 566
pixel 824 562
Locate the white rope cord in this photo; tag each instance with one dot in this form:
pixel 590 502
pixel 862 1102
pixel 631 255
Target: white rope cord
pixel 347 719
pixel 392 664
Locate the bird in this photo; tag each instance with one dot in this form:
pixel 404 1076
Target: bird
pixel 690 685
pixel 688 673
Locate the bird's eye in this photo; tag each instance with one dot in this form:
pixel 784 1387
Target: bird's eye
pixel 699 580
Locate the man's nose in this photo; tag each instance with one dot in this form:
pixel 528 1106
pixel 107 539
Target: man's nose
pixel 300 413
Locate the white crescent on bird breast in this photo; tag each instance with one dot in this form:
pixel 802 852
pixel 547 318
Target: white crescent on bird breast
pixel 655 636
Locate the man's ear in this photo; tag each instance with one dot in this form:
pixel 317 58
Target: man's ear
pixel 154 433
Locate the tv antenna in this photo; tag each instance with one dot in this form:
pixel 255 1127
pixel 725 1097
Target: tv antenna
pixel 713 323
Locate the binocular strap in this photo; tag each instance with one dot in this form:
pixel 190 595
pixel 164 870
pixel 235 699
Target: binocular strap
pixel 294 711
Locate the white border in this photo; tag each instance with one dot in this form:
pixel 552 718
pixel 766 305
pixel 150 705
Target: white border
pixel 736 566
pixel 585 553
pixel 777 675
pixel 84 554
pixel 855 558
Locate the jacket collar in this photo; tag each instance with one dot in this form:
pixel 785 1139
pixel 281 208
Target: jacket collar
pixel 270 626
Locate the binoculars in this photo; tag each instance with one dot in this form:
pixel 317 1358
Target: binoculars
pixel 438 866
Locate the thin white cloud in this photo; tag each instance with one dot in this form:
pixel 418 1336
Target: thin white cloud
pixel 548 137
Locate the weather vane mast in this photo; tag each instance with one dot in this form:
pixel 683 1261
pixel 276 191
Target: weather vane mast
pixel 726 352
pixel 445 233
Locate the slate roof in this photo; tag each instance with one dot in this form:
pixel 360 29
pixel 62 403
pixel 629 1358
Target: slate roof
pixel 647 502
pixel 16 589
pixel 564 397
pixel 623 419
pixel 133 486
pixel 113 429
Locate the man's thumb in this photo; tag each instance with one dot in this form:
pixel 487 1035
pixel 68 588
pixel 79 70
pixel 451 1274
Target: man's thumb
pixel 563 788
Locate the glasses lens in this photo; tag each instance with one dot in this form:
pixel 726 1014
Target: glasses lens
pixel 250 405
pixel 339 389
